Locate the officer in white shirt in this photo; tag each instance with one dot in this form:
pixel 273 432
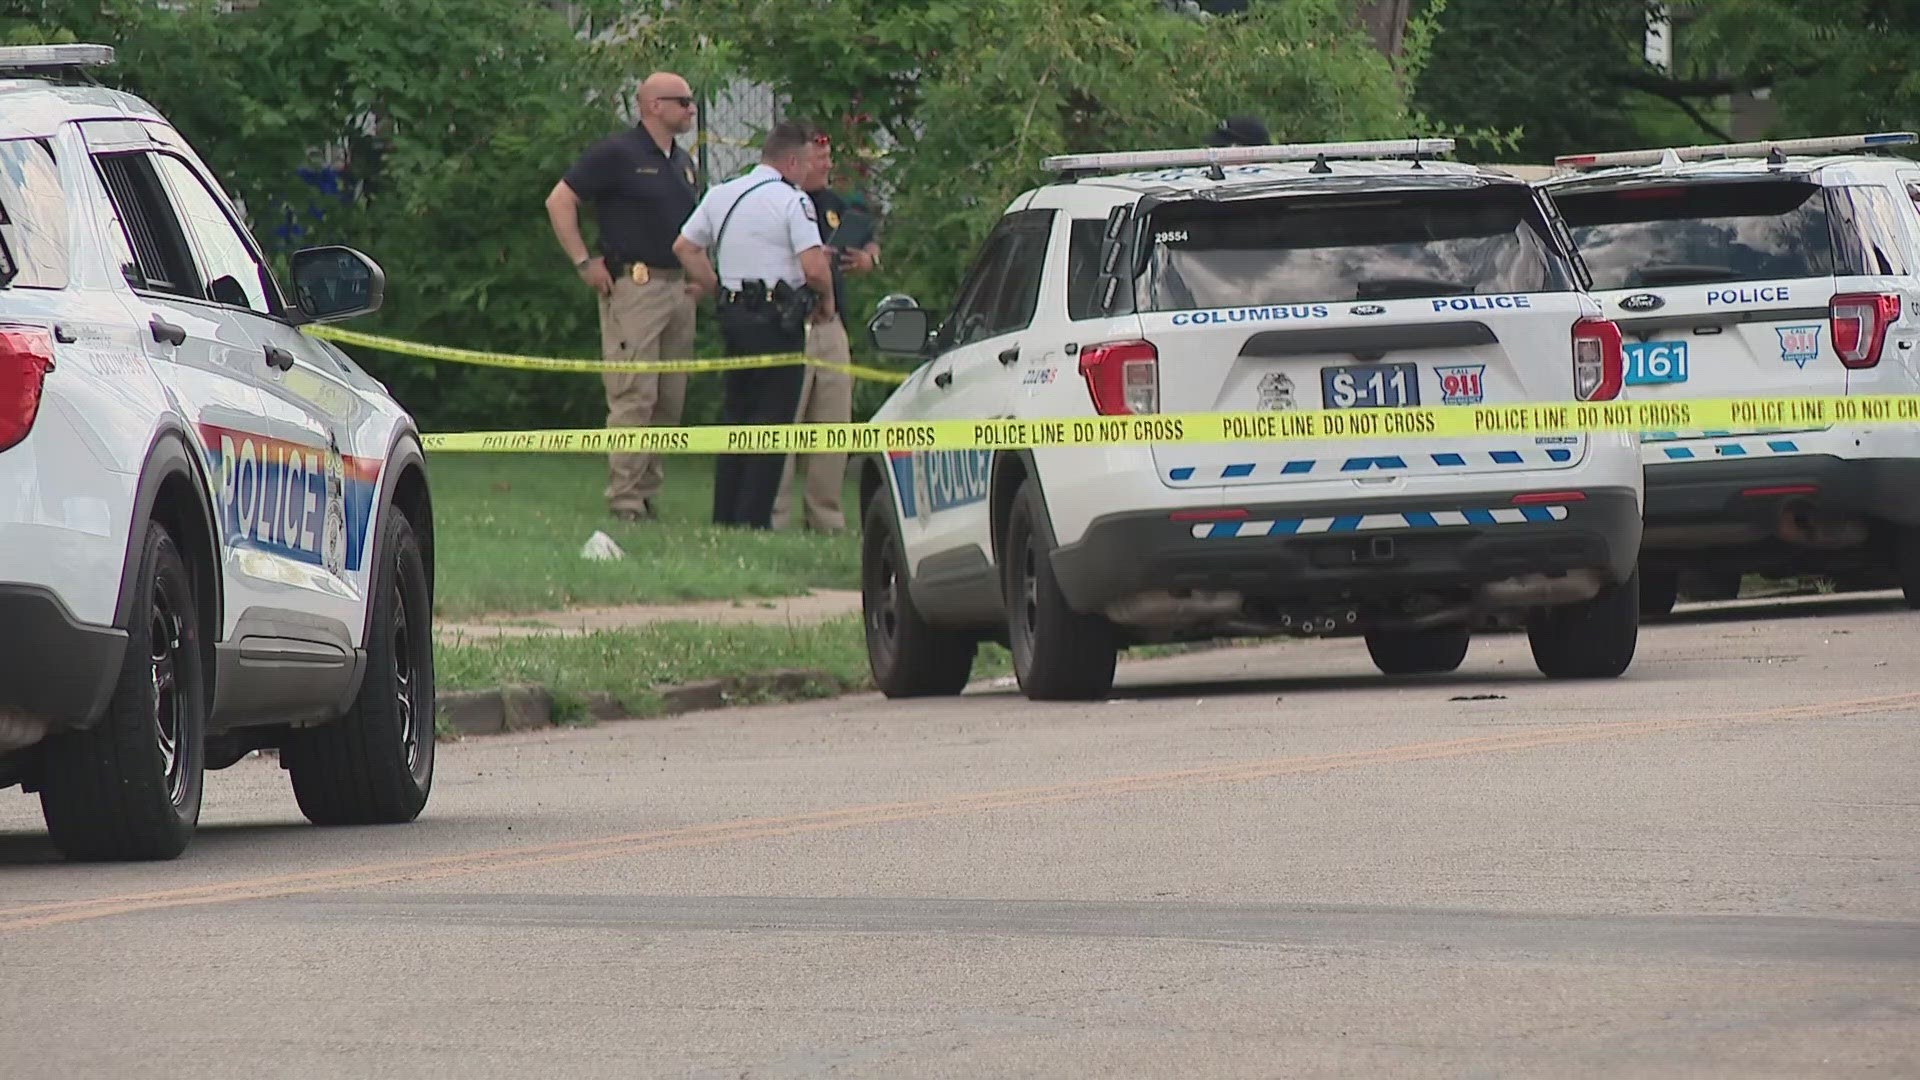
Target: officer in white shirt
pixel 769 275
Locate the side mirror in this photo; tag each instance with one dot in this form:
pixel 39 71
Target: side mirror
pixel 901 330
pixel 335 283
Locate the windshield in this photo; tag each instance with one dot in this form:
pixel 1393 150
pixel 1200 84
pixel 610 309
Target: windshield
pixel 1693 234
pixel 33 217
pixel 1379 246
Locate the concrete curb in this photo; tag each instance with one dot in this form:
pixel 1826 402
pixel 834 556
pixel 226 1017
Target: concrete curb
pixel 530 708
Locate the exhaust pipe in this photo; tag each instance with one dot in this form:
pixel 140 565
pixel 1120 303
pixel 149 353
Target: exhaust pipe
pixel 1801 523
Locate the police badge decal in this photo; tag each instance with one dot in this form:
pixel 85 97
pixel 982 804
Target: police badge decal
pixel 333 545
pixel 1276 392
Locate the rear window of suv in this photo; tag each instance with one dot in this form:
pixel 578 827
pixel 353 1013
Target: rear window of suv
pixel 1711 233
pixel 1361 246
pixel 33 217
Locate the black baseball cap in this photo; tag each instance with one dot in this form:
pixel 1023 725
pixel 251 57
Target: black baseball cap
pixel 1240 131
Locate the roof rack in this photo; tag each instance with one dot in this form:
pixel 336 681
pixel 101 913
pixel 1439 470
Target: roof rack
pixel 1217 156
pixel 1775 150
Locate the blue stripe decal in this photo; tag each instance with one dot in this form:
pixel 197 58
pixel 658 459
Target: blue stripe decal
pixel 1235 471
pixel 1731 450
pixel 1679 453
pixel 1394 462
pixel 1295 468
pixel 1359 464
pixel 1537 513
pixel 1420 519
pixel 1784 446
pixel 1480 517
pixel 1450 461
pixel 1350 523
pixel 1285 528
pixel 1560 455
pixel 1223 528
pixel 1506 457
pixel 1181 474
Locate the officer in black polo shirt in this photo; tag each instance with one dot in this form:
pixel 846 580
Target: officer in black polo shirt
pixel 642 187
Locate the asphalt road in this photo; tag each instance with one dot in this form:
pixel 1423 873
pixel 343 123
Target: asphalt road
pixel 1265 862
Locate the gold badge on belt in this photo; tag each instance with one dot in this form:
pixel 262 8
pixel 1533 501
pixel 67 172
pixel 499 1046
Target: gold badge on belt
pixel 639 272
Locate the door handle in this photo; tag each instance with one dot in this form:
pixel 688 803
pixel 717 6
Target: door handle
pixel 278 358
pixel 1010 355
pixel 165 331
pixel 943 380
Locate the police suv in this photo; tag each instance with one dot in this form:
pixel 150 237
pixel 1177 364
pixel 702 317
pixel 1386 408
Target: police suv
pixel 1774 270
pixel 1351 276
pixel 215 531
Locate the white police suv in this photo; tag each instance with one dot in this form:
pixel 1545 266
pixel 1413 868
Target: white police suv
pixel 1776 270
pixel 1254 278
pixel 215 531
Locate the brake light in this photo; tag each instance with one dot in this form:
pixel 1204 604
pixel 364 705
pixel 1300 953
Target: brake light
pixel 1599 362
pixel 26 355
pixel 1860 322
pixel 1227 513
pixel 1541 498
pixel 1123 377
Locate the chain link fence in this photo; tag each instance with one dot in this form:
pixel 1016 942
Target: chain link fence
pixel 731 121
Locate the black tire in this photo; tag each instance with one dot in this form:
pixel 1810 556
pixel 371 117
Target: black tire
pixel 1711 585
pixel 908 656
pixel 1058 653
pixel 1593 639
pixel 1659 591
pixel 129 787
pixel 1433 651
pixel 1907 565
pixel 374 765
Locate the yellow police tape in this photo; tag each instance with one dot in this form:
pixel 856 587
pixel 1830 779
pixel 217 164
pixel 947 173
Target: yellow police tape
pixel 1746 414
pixel 594 367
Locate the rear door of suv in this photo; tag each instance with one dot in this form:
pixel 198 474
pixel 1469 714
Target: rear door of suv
pixel 1366 301
pixel 1740 286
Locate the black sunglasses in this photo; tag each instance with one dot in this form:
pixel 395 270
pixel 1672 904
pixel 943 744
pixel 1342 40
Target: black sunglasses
pixel 683 102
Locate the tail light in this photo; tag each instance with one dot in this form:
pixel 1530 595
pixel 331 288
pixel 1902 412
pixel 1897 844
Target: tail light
pixel 26 355
pixel 1860 322
pixel 1599 363
pixel 1123 377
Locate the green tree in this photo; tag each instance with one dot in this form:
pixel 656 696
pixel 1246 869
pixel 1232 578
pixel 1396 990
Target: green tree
pixel 453 117
pixel 1830 66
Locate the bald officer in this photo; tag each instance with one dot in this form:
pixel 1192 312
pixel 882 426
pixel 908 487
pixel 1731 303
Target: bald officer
pixel 754 243
pixel 641 185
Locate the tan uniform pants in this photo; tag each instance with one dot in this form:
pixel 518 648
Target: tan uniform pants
pixel 826 398
pixel 643 322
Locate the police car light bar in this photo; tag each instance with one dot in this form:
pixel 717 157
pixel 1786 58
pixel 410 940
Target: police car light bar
pixel 1126 161
pixel 40 57
pixel 1715 151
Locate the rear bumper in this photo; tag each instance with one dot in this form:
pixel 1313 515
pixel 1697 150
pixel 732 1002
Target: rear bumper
pixel 1706 506
pixel 53 667
pixel 1378 547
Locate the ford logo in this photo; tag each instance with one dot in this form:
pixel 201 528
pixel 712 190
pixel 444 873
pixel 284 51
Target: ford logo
pixel 1645 301
pixel 1367 309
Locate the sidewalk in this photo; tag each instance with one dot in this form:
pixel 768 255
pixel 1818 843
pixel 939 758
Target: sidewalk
pixel 819 606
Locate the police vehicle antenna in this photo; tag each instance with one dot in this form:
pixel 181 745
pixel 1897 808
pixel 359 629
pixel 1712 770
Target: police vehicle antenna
pixel 1320 164
pixel 1214 171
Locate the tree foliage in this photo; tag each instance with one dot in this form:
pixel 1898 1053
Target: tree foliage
pixel 452 118
pixel 945 108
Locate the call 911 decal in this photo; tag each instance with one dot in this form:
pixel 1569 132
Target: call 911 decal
pixel 306 503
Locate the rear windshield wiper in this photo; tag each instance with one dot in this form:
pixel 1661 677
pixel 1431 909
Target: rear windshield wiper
pixel 1683 274
pixel 1400 288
